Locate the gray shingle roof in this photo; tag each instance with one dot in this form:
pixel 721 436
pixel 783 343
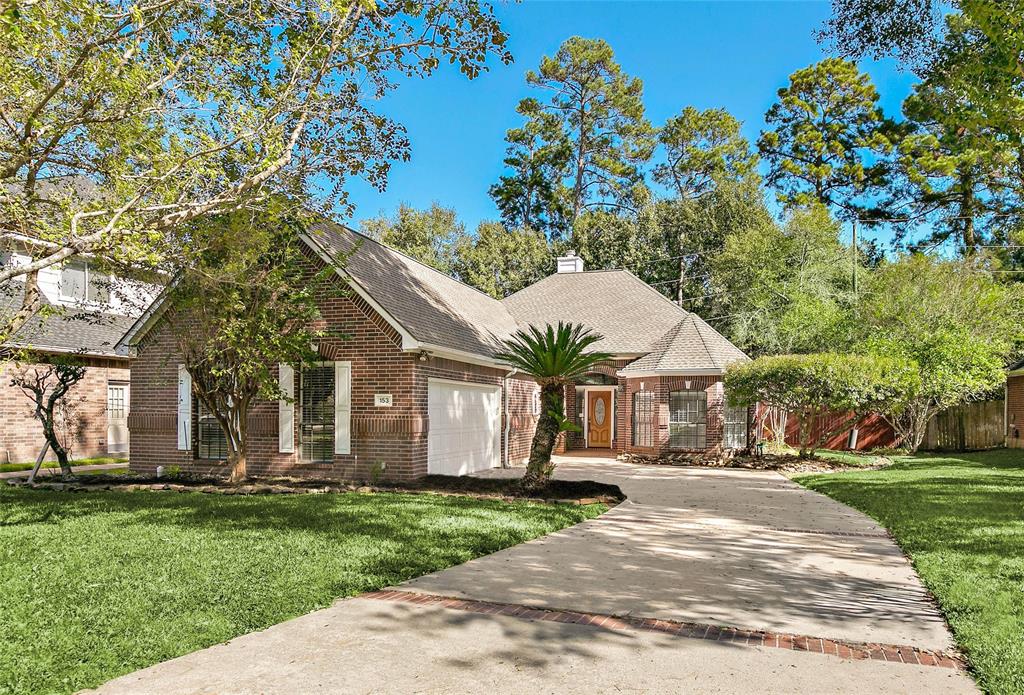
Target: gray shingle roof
pixel 630 314
pixel 690 345
pixel 70 330
pixel 435 309
pixel 431 306
pixel 633 317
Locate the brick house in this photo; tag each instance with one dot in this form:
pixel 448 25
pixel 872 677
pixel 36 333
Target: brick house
pixel 84 315
pixel 414 387
pixel 1014 406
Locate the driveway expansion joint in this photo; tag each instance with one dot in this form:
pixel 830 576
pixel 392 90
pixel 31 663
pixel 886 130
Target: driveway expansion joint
pixel 858 651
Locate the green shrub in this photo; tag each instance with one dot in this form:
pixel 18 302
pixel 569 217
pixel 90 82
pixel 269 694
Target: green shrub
pixel 813 387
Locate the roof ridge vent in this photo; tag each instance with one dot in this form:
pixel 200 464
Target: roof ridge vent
pixel 569 263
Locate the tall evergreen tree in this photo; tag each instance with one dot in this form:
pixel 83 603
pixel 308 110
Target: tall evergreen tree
pixel 586 141
pixel 531 195
pixel 956 174
pixel 828 140
pixel 703 149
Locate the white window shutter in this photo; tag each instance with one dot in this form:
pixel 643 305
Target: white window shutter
pixel 184 409
pixel 286 409
pixel 342 407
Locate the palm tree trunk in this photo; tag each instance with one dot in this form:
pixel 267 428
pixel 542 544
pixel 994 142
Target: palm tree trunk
pixel 539 468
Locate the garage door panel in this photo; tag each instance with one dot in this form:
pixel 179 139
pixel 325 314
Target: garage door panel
pixel 464 434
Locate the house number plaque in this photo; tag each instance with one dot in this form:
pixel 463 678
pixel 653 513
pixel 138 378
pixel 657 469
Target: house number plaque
pixel 382 400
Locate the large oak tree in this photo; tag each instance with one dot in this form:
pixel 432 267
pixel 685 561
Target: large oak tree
pixel 121 120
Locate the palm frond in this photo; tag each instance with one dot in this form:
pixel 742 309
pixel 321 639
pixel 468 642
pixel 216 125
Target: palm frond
pixel 553 354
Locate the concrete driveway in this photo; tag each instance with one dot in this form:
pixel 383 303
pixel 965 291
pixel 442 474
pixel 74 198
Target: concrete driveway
pixel 704 580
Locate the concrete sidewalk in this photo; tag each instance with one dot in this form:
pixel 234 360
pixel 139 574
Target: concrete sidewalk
pixel 364 646
pixel 730 547
pixel 744 549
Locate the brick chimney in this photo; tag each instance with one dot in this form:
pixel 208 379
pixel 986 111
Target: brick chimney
pixel 570 263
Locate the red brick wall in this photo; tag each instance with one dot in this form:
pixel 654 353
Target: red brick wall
pixel 662 387
pixel 393 436
pixel 390 442
pixel 1015 411
pixel 21 436
pixel 523 420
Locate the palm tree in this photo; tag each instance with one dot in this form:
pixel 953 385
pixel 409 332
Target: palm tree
pixel 554 357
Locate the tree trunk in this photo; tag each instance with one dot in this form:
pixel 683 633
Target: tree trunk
pixel 234 423
pixel 805 421
pixel 911 425
pixel 778 419
pixel 238 467
pixel 540 468
pixel 62 459
pixel 50 433
pixel 967 213
pixel 918 428
pixel 30 305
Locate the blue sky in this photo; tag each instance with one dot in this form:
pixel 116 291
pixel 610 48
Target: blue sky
pixel 733 55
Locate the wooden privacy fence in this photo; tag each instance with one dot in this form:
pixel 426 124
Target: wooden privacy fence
pixel 970 426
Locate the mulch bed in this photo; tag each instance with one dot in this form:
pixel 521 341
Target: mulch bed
pixel 507 489
pixel 794 464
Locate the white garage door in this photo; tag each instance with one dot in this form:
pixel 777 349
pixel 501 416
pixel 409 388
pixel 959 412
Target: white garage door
pixel 465 427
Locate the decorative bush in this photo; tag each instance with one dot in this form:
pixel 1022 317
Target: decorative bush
pixel 813 387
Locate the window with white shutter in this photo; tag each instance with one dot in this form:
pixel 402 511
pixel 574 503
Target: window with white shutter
pixel 184 409
pixel 317 413
pixel 286 410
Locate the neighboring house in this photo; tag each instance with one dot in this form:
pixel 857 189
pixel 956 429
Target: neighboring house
pixel 415 388
pixel 84 314
pixel 1014 406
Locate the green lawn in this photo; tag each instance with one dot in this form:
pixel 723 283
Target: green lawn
pixel 10 467
pixel 100 584
pixel 960 517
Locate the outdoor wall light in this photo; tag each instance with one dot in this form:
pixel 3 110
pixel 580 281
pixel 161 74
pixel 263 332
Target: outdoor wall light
pixel 424 355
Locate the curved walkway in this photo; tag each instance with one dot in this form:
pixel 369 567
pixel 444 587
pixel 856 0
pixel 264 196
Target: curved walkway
pixel 721 580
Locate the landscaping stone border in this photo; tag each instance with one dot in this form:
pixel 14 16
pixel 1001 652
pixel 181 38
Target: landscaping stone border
pixel 284 487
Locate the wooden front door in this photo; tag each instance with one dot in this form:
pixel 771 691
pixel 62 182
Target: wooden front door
pixel 599 419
